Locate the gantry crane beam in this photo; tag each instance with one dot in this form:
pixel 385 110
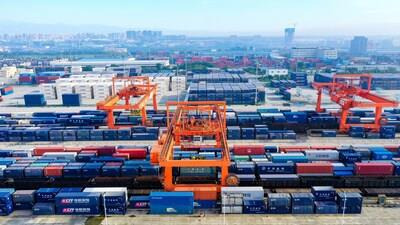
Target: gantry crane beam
pixel 344 89
pixel 132 87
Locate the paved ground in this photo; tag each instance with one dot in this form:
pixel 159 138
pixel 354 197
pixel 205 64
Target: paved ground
pixel 370 216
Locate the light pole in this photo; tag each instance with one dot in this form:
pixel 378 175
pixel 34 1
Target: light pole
pixel 105 208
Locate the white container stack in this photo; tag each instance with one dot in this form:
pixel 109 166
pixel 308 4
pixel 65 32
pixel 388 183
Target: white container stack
pixel 98 86
pixel 162 85
pixel 178 83
pixel 84 89
pixel 64 88
pixel 232 198
pixel 49 91
pixel 101 90
pixel 232 203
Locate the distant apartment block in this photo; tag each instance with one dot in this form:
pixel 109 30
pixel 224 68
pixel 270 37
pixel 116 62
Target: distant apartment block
pixel 321 53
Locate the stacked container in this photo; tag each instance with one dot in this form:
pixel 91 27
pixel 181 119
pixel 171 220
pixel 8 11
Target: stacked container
pixel 302 203
pixel 114 199
pixel 78 203
pixel 299 77
pixel 325 199
pixel 349 203
pixel 24 199
pixel 233 199
pixel 49 91
pixel 279 203
pixel 6 203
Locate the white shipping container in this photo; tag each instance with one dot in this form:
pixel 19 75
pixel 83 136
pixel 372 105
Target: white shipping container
pixel 66 155
pixel 249 193
pixel 108 189
pixel 325 155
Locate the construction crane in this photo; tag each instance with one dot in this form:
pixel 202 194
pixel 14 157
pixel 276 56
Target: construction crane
pixel 186 122
pixel 128 88
pixel 349 91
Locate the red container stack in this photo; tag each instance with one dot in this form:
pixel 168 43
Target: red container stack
pixel 39 151
pixel 374 169
pixel 101 150
pixel 314 168
pixel 248 149
pixel 53 171
pixel 135 153
pixel 73 149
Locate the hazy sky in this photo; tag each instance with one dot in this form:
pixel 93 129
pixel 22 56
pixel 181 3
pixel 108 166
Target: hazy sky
pixel 313 17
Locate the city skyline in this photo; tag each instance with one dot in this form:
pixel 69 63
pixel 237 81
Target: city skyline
pixel 205 17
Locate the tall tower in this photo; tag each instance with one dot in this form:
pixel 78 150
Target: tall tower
pixel 289 37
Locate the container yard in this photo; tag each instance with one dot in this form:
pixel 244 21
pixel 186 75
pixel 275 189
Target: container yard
pixel 77 162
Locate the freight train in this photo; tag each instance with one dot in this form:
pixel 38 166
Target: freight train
pixel 262 124
pixel 268 166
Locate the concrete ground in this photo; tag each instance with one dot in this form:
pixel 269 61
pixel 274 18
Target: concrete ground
pixel 370 216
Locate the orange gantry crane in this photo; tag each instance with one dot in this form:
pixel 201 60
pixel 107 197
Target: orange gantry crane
pixel 186 121
pixel 129 87
pixel 353 91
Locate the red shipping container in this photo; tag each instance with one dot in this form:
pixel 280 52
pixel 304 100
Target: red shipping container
pixel 392 148
pixel 73 149
pixel 288 148
pixel 314 168
pixel 121 155
pixel 101 150
pixel 137 153
pixel 248 149
pixel 53 171
pixel 374 169
pixel 39 151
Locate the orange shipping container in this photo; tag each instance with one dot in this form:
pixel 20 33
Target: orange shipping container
pixel 53 171
pixel 201 193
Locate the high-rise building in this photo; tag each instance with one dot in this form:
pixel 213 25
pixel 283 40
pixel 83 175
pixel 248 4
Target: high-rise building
pixel 131 34
pixel 358 46
pixel 289 37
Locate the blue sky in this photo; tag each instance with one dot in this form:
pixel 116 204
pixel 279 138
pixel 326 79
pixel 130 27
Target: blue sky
pixel 319 17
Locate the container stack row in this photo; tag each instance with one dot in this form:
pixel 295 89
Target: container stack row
pixel 252 163
pixel 88 162
pixel 299 77
pixel 218 78
pixel 232 93
pixel 65 201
